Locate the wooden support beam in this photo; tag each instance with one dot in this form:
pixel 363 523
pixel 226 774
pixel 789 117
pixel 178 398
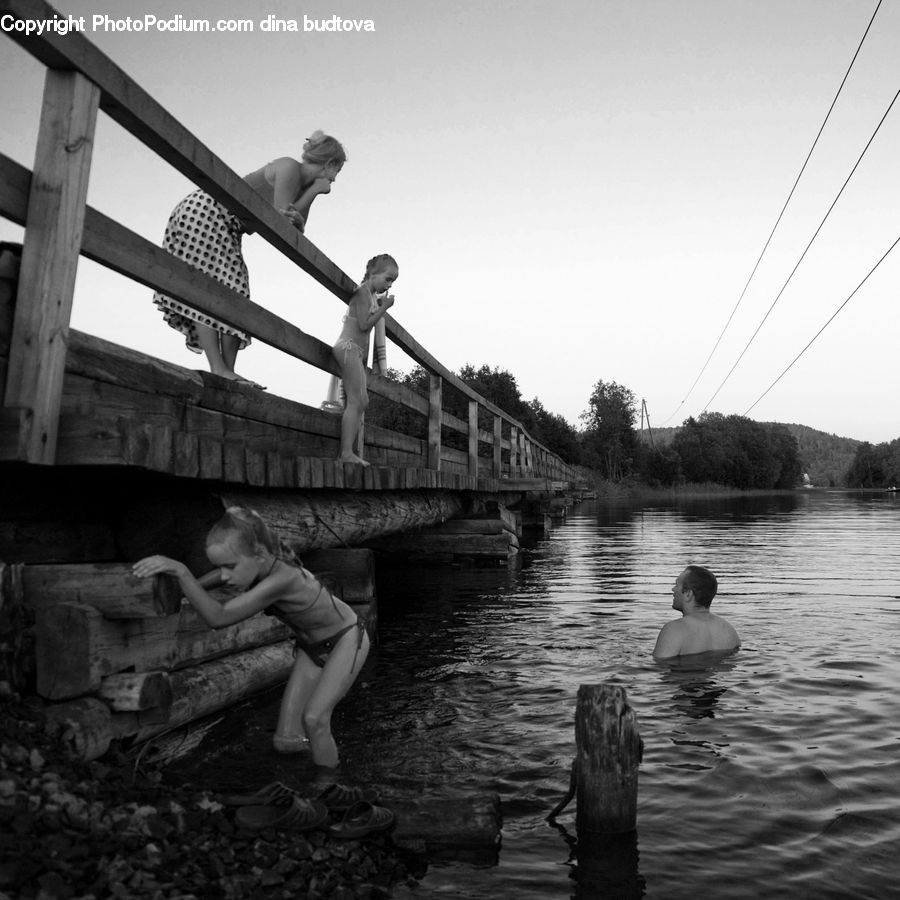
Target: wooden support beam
pixel 473 437
pixel 514 471
pixel 608 752
pixel 53 230
pixel 435 389
pixel 109 587
pixel 496 458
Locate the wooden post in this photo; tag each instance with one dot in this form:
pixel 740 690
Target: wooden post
pixel 473 438
pixel 53 230
pixel 513 452
pixel 608 751
pixel 497 465
pixel 435 384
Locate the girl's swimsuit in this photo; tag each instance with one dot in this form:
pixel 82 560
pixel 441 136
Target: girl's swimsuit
pixel 353 339
pixel 291 614
pixel 319 650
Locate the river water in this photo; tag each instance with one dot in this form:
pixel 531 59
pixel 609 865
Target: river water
pixel 773 773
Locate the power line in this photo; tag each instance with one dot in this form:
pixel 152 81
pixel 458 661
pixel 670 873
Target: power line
pixel 778 220
pixel 802 255
pixel 833 316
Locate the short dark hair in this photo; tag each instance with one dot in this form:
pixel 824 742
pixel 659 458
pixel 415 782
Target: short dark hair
pixel 702 582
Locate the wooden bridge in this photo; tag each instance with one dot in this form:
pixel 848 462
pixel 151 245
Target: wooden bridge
pixel 107 453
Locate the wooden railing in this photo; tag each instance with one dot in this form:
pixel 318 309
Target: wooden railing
pixel 50 203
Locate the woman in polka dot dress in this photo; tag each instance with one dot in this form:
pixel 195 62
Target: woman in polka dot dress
pixel 208 237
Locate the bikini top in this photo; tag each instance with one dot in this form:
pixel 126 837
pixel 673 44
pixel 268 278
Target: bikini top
pixel 292 612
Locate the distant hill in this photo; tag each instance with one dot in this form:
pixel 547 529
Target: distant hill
pixel 824 457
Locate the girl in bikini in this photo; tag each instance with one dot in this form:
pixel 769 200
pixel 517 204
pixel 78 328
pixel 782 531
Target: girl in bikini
pixel 332 643
pixel 208 237
pixel 351 351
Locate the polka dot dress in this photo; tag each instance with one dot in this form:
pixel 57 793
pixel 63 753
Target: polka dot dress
pixel 207 237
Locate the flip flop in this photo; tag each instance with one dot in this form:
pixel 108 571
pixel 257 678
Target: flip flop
pixel 339 798
pixel 276 792
pixel 361 820
pixel 297 815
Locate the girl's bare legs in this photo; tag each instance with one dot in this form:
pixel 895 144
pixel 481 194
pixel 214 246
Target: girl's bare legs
pixel 289 734
pixel 354 376
pixel 341 668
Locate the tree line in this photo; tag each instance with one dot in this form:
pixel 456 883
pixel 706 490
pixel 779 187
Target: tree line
pixel 875 466
pixel 729 450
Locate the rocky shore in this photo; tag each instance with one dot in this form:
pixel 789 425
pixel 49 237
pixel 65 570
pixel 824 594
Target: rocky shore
pixel 71 830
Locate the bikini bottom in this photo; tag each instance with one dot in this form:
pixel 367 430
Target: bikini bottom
pixel 319 650
pixel 348 347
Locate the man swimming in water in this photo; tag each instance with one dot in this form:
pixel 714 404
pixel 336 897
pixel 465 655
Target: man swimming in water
pixel 698 630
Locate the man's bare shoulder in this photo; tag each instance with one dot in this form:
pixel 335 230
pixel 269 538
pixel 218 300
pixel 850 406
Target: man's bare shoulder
pixel 670 639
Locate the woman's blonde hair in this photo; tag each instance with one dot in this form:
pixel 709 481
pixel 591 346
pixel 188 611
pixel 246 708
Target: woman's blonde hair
pixel 321 149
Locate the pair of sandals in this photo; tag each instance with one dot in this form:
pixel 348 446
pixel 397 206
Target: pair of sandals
pixel 278 806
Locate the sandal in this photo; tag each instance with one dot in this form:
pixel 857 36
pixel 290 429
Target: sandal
pixel 297 815
pixel 276 792
pixel 361 820
pixel 339 798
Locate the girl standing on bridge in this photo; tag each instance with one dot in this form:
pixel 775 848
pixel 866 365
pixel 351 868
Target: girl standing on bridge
pixel 331 640
pixel 369 303
pixel 208 237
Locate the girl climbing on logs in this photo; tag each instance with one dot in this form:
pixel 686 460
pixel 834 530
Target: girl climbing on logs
pixel 331 640
pixel 369 303
pixel 208 237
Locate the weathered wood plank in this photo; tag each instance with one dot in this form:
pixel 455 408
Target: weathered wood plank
pixel 108 587
pixel 53 231
pixel 77 647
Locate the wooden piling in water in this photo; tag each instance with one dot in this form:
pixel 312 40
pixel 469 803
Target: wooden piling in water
pixel 608 751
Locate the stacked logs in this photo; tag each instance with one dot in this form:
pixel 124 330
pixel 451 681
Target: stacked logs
pixel 122 657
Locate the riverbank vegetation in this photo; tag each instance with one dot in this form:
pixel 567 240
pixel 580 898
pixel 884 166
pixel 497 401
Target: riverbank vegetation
pixel 875 466
pixel 711 453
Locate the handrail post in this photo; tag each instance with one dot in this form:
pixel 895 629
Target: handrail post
pixel 435 390
pixel 496 462
pixel 53 231
pixel 473 438
pixel 513 452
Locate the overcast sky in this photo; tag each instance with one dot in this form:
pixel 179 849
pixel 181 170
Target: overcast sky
pixel 574 191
